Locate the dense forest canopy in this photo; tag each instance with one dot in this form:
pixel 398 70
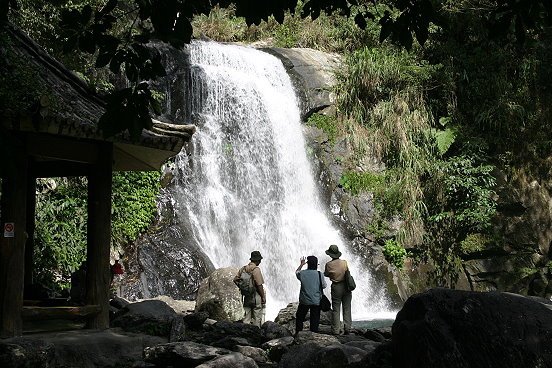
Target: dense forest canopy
pixel 116 32
pixel 450 95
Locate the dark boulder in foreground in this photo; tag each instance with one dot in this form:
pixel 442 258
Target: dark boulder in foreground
pixel 452 328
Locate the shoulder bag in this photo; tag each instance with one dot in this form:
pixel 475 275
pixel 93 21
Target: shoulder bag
pixel 325 304
pixel 349 281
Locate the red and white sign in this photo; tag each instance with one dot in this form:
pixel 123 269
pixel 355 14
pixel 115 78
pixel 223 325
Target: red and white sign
pixel 9 230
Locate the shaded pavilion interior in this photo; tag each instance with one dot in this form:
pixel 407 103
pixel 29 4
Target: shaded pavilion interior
pixel 60 138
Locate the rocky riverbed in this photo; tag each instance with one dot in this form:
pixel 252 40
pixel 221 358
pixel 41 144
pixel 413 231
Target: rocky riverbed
pixel 437 328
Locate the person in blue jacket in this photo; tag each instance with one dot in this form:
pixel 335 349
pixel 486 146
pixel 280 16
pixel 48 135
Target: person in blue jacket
pixel 312 283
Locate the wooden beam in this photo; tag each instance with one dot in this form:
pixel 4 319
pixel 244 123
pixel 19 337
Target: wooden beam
pixel 61 148
pixel 45 313
pixel 12 245
pixel 99 237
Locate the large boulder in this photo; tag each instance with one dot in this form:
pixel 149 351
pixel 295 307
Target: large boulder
pixel 219 296
pixel 452 328
pixel 152 317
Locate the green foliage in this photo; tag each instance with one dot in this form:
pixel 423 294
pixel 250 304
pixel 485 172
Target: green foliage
pixel 60 235
pixel 134 204
pixel 460 205
pixel 356 182
pixel 474 243
pixel 326 123
pixel 394 253
pixel 61 220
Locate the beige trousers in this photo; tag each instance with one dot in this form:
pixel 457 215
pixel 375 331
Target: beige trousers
pixel 255 315
pixel 340 295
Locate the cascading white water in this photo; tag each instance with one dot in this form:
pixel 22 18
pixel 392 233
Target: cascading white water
pixel 247 184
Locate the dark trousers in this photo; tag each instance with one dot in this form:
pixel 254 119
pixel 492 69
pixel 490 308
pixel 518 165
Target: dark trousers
pixel 302 313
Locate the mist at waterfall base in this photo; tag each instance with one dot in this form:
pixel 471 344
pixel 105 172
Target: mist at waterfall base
pixel 246 182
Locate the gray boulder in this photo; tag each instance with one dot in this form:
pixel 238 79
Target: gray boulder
pixel 304 337
pixel 452 328
pixel 257 354
pixel 182 354
pixel 234 360
pixel 272 330
pixel 219 296
pixel 152 317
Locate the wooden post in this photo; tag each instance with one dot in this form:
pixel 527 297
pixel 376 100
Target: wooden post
pixel 99 237
pixel 29 245
pixel 12 244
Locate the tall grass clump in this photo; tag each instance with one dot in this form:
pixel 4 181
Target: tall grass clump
pixel 381 93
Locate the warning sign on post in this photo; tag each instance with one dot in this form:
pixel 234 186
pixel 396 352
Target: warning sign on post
pixel 9 230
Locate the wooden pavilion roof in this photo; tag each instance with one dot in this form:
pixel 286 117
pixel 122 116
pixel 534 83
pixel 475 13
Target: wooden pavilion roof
pixel 71 109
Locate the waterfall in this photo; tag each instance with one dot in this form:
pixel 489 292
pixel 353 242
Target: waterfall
pixel 246 184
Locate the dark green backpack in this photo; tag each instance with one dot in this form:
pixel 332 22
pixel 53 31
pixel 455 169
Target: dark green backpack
pixel 246 285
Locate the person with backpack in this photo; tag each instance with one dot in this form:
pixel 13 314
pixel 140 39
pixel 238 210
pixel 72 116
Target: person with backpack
pixel 310 295
pixel 250 282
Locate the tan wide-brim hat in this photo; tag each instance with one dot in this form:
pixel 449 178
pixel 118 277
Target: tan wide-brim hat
pixel 333 251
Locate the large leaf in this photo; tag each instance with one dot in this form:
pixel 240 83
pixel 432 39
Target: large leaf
pixel 444 139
